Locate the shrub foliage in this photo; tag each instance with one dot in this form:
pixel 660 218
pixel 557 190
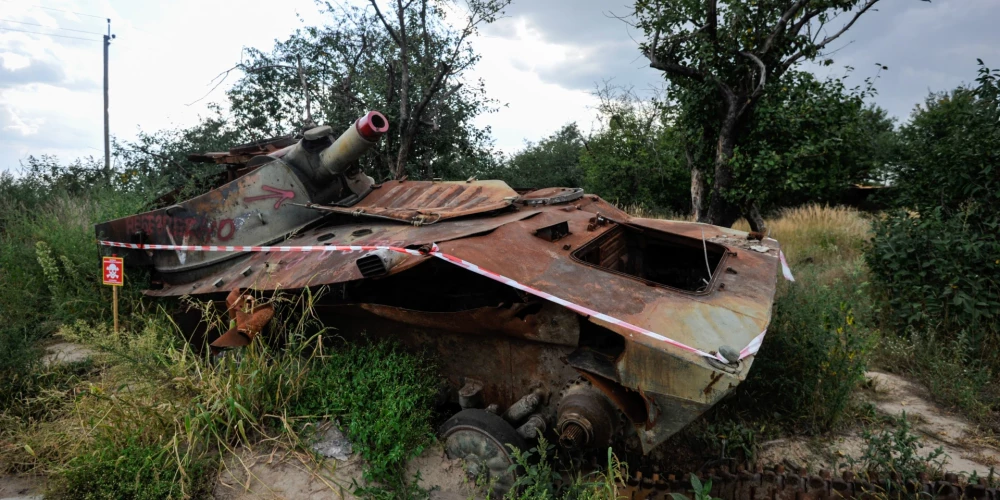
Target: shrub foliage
pixel 937 258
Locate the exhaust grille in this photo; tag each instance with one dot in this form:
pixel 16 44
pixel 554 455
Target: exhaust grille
pixel 371 266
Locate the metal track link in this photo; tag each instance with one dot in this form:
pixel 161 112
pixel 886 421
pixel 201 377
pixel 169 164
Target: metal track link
pixel 777 484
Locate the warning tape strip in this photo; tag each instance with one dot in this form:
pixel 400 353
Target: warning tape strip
pixel 750 350
pixel 785 270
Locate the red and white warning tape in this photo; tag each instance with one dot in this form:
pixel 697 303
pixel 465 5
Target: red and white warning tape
pixel 785 270
pixel 749 350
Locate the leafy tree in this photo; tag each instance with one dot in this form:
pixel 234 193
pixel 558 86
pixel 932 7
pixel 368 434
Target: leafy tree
pixel 809 140
pixel 157 163
pixel 407 61
pixel 553 161
pixel 724 56
pixel 635 158
pixel 938 258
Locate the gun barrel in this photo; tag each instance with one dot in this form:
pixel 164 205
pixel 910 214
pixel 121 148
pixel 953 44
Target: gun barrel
pixel 353 142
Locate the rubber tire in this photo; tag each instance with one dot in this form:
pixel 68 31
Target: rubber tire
pixel 490 427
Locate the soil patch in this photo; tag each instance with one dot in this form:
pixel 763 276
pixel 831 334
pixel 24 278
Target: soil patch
pixel 893 395
pixel 290 475
pixel 22 487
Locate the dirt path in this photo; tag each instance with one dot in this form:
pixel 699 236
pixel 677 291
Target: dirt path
pixel 894 395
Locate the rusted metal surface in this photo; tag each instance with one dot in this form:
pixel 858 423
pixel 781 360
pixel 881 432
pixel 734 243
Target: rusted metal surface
pixel 278 271
pixel 247 318
pixel 426 202
pixel 705 287
pixel 244 153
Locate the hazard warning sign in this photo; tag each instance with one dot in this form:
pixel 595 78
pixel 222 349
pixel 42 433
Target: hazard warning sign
pixel 114 271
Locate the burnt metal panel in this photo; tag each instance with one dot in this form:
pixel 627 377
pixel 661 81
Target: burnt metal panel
pixel 428 202
pixel 276 270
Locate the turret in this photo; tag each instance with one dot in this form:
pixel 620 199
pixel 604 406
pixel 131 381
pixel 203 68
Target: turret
pixel 261 207
pixel 323 161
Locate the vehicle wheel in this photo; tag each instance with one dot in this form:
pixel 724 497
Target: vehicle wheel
pixel 481 438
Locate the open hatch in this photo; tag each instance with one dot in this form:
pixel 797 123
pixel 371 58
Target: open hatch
pixel 655 257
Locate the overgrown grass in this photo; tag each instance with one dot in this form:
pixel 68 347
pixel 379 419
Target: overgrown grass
pixel 818 235
pixel 128 467
pixel 821 334
pixel 954 378
pixel 48 258
pixel 384 397
pixel 171 416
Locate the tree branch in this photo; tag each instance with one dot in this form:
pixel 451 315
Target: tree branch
pixel 670 66
pixel 763 74
pixel 240 66
pixel 819 46
pixel 385 23
pixel 418 111
pixel 808 16
pixel 713 21
pixel 780 26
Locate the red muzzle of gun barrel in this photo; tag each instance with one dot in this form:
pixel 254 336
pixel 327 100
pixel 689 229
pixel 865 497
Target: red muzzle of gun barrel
pixel 372 126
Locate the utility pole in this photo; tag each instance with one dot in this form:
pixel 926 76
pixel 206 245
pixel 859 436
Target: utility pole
pixel 107 134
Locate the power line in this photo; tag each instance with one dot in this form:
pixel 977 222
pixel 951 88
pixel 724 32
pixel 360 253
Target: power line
pixel 50 34
pixel 51 27
pixel 61 10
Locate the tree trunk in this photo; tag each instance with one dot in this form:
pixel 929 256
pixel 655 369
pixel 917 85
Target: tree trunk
pixel 697 185
pixel 405 145
pixel 720 211
pixel 752 215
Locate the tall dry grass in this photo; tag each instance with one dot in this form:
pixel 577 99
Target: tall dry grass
pixel 808 233
pixel 818 233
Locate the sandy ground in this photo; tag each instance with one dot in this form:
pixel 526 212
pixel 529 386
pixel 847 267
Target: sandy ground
pixel 21 487
pixel 294 476
pixel 894 395
pixel 65 352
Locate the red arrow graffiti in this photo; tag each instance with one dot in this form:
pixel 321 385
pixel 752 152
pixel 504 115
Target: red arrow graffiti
pixel 280 194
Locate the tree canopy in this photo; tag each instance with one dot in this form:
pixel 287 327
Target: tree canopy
pixel 552 161
pixel 723 57
pixel 406 61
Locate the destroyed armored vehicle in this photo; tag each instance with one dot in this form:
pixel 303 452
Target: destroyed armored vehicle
pixel 550 311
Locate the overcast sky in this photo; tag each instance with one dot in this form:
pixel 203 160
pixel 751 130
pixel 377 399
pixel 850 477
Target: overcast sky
pixel 543 61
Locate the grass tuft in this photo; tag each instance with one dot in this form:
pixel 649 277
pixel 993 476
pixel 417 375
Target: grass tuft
pixel 383 396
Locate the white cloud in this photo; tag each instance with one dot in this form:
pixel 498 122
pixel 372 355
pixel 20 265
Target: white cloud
pixel 542 62
pixel 530 107
pixel 13 61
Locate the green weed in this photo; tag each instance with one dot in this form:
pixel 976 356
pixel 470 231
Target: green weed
pixel 895 449
pixel 130 469
pixel 815 353
pixel 701 491
pixel 536 477
pixel 383 396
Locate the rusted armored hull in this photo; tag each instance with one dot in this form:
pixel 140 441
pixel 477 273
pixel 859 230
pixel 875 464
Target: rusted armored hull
pixel 703 288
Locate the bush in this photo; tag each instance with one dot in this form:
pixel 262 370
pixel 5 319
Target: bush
pixel 937 259
pixel 383 396
pixel 940 271
pixel 134 470
pixel 815 352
